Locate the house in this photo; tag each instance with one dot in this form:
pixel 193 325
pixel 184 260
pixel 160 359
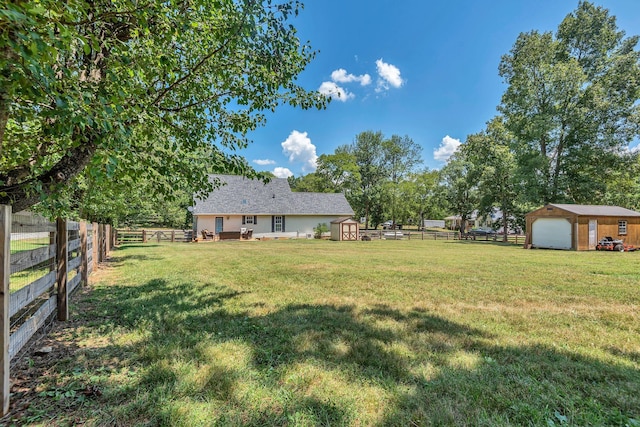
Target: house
pixel 475 220
pixel 271 210
pixel 580 227
pixel 490 221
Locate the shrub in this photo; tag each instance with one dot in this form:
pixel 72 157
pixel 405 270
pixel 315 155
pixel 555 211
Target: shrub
pixel 320 229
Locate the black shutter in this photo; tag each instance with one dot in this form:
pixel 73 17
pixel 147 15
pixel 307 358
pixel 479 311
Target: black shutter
pixel 255 219
pixel 283 230
pixel 243 219
pixel 273 223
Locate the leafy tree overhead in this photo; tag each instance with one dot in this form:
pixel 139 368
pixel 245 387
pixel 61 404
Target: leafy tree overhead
pixel 572 105
pixel 104 85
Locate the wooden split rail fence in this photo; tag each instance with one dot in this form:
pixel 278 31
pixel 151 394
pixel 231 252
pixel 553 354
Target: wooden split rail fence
pixel 147 236
pixel 41 264
pixel 410 235
pixel 437 235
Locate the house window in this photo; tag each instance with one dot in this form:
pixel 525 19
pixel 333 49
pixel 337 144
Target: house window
pixel 277 224
pixel 622 227
pixel 252 220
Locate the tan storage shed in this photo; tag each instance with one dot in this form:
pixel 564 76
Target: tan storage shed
pixel 580 227
pixel 345 229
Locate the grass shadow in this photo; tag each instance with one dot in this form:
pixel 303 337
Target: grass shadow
pixel 436 371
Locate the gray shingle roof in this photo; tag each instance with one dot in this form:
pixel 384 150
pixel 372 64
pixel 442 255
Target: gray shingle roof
pixel 244 196
pixel 596 210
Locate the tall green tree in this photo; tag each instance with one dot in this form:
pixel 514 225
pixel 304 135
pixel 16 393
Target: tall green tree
pixel 86 85
pixel 420 191
pixel 458 180
pixel 368 151
pixel 339 170
pixel 495 168
pixel 624 187
pixel 572 105
pixel 311 182
pixel 401 156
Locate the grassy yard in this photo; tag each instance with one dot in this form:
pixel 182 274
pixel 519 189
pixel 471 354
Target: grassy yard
pixel 377 333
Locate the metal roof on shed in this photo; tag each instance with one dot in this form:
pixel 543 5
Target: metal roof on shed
pixel 596 210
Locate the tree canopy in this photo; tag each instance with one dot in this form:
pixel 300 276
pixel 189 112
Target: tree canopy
pixel 120 110
pixel 572 106
pixel 126 90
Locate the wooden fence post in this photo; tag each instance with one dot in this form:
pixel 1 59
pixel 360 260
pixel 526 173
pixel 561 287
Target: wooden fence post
pixel 5 273
pixel 101 254
pixel 173 236
pixel 61 257
pixel 107 240
pixel 94 244
pixel 144 236
pixel 84 265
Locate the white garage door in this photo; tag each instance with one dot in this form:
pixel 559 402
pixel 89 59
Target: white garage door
pixel 551 233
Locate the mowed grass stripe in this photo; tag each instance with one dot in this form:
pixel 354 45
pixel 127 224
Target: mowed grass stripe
pixel 358 333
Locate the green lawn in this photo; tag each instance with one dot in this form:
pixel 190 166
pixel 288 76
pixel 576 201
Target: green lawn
pixel 356 333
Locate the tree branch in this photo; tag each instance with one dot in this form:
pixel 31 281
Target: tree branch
pixel 23 195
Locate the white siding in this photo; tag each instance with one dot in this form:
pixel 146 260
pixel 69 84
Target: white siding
pixel 206 223
pixel 296 226
pixel 303 225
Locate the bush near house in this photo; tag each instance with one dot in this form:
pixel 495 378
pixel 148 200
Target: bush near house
pixel 320 230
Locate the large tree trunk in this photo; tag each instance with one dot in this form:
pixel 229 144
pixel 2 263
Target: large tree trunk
pixel 505 226
pixel 24 195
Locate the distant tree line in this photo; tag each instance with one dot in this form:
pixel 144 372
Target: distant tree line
pixel 566 120
pixel 115 112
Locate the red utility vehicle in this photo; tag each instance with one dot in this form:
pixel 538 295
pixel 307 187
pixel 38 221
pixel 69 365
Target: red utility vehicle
pixel 609 244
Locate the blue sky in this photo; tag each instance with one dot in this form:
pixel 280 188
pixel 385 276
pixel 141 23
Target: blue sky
pixel 420 68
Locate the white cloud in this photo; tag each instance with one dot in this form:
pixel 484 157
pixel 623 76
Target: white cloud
pixel 389 76
pixel 282 172
pixel 447 147
pixel 334 91
pixel 299 148
pixel 264 162
pixel 340 76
